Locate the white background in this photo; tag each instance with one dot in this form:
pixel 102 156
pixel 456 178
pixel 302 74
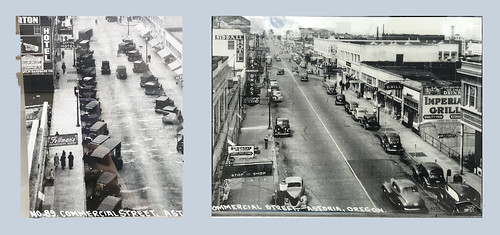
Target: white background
pixel 197 102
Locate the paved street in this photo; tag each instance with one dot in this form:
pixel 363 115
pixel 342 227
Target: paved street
pixel 343 165
pixel 152 172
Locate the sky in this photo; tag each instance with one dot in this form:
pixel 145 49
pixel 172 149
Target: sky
pixel 467 27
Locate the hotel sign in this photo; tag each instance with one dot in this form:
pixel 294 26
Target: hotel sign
pixel 36 44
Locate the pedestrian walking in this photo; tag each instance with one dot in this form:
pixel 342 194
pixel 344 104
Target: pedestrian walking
pixel 70 159
pixel 62 54
pixel 71 21
pixel 63 160
pixel 149 58
pixel 51 176
pixel 56 161
pixel 63 67
pixel 95 21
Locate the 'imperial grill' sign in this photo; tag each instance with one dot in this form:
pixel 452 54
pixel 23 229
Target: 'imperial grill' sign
pixel 62 140
pixel 441 103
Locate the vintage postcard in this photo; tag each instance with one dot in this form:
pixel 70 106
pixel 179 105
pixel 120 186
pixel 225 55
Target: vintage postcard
pixel 347 116
pixel 102 101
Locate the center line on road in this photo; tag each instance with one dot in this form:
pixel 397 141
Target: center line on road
pixel 329 134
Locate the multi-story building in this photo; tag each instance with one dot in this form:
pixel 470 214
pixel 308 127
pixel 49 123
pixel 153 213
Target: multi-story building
pixel 226 113
pixel 471 120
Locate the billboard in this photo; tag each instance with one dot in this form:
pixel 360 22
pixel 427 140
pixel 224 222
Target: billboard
pixel 441 103
pixel 36 45
pixel 241 151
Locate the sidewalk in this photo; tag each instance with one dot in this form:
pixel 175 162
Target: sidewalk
pixel 69 185
pixel 424 151
pixel 256 190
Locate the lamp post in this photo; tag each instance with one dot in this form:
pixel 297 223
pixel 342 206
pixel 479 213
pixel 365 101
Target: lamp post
pixel 378 113
pixel 128 26
pixel 269 97
pixel 77 108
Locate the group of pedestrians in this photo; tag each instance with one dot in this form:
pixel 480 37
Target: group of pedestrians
pixel 62 159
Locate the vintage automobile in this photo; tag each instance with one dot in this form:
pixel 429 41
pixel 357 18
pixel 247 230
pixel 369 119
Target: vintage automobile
pixel 331 87
pixel 140 67
pixel 304 77
pixel 88 72
pixel 89 82
pixel 278 58
pixel 282 127
pixel 429 174
pixel 358 113
pixel 163 101
pixel 460 198
pixel 350 106
pixel 126 45
pixel 291 192
pixel 171 119
pixel 111 18
pixel 147 77
pixel 167 109
pixel 153 88
pixel 295 69
pixel 276 96
pixel 403 193
pixel 340 99
pixel 121 72
pixel 280 72
pixel 309 71
pixel 98 128
pixel 369 121
pixel 105 69
pixel 391 142
pixel 134 55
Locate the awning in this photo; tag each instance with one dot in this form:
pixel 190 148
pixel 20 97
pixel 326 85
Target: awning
pixel 139 27
pixel 144 32
pixel 153 42
pixel 174 65
pixel 164 53
pixel 178 71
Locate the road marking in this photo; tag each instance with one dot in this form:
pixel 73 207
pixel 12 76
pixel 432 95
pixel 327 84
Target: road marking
pixel 331 137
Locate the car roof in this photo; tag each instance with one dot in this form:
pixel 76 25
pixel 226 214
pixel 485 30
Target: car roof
pixel 282 119
pixel 293 179
pixel 392 134
pixel 403 182
pixel 431 165
pixel 463 189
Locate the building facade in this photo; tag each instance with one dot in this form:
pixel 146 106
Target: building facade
pixel 232 43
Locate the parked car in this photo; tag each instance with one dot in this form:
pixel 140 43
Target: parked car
pixel 370 121
pixel 350 106
pixel 460 199
pixel 340 99
pixel 309 71
pixel 134 55
pixel 282 127
pixel 391 142
pixel 121 72
pixel 429 174
pixel 140 67
pixel 276 96
pixel 281 72
pixel 404 194
pixel 358 113
pixel 278 58
pixel 304 77
pixel 105 69
pixel 291 193
pixel 111 18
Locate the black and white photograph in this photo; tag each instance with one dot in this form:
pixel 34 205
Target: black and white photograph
pixel 102 117
pixel 362 116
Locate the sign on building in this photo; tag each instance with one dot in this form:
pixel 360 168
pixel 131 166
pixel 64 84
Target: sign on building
pixel 63 140
pixel 440 103
pixel 241 151
pixel 36 44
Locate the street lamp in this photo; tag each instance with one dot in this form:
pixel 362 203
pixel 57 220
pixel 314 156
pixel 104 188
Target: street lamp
pixel 269 97
pixel 77 91
pixel 378 112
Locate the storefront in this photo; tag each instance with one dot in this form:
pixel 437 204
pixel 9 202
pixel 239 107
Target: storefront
pixel 410 113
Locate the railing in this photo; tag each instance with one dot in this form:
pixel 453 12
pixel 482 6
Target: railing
pixel 440 146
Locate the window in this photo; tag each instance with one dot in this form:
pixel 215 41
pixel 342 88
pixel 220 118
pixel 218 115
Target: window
pixel 37 30
pixel 230 45
pixel 471 96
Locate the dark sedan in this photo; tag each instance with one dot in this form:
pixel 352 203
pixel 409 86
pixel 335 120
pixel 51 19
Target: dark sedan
pixel 391 143
pixel 460 199
pixel 429 174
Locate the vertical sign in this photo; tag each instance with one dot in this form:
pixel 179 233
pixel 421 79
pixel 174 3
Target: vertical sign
pixel 240 49
pixel 36 45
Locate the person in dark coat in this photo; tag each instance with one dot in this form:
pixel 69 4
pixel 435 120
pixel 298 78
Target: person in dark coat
pixel 63 159
pixel 62 54
pixel 63 67
pixel 70 159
